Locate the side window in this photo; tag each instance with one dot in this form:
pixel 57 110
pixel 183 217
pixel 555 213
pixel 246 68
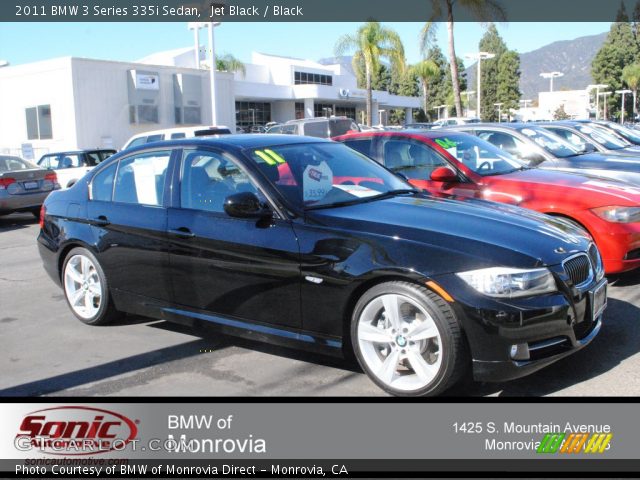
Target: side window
pixel 414 160
pixel 102 184
pixel 45 162
pixel 175 136
pixel 504 141
pixel 137 141
pixel 70 161
pixel 155 138
pixel 140 178
pixel 362 145
pixel 93 158
pixel 208 178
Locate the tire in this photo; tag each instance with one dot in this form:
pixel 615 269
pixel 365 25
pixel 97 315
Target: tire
pixel 86 288
pixel 435 346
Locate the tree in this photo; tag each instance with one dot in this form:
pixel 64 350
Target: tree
pixel 371 43
pixel 481 10
pixel 560 113
pixel 508 80
pixel 229 63
pixel 426 71
pixel 619 50
pixel 631 76
pixel 500 75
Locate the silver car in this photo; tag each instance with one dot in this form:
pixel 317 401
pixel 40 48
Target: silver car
pixel 23 185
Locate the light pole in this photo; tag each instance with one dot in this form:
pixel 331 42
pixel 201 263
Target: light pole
pixel 499 105
pixel 196 27
pixel 551 76
pixel 212 71
pixel 479 56
pixel 468 94
pixel 597 87
pixel 623 93
pixel 604 101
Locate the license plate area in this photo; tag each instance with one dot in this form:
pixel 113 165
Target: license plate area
pixel 598 300
pixel 30 185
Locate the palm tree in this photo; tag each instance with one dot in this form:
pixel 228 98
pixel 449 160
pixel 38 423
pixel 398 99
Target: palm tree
pixel 631 76
pixel 229 63
pixel 481 10
pixel 371 43
pixel 426 71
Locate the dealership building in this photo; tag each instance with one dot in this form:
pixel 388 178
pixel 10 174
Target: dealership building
pixel 69 103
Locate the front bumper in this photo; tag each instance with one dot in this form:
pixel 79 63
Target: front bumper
pixel 546 327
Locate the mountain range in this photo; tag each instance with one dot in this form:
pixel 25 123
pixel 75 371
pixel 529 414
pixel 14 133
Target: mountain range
pixel 571 57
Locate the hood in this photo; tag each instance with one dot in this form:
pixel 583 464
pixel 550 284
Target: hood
pixel 607 187
pixel 493 234
pixel 606 161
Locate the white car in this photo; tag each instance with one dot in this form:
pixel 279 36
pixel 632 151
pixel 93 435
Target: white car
pixel 73 165
pixel 447 122
pixel 176 133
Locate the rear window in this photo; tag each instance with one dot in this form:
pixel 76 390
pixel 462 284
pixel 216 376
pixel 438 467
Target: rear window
pixel 212 131
pixel 155 138
pixel 340 127
pixel 10 164
pixel 317 129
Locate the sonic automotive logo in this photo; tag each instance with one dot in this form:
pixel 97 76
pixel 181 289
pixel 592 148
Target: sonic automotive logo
pixel 575 443
pixel 73 430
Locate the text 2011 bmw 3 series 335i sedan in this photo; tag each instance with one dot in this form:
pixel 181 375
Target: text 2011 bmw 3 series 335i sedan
pixel 305 242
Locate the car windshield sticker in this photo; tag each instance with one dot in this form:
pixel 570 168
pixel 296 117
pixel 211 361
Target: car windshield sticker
pixel 270 157
pixel 449 145
pixel 317 180
pixel 358 190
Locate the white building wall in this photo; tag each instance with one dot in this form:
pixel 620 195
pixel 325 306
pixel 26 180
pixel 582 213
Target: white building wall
pixel 41 83
pixel 282 111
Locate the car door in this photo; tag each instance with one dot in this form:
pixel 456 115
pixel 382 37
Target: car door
pixel 416 161
pixel 128 213
pixel 233 267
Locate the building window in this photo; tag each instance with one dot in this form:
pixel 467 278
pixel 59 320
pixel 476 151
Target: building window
pixel 252 113
pixel 39 124
pixel 322 110
pixel 143 114
pixel 304 78
pixel 342 111
pixel 299 110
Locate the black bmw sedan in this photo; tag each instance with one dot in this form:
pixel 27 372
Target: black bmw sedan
pixel 305 242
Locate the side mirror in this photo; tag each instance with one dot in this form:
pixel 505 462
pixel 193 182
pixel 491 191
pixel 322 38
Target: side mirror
pixel 245 205
pixel 444 174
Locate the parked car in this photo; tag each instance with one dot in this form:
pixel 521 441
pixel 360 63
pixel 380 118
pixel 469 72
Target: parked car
pixel 175 134
pixel 419 125
pixel 73 165
pixel 448 122
pixel 448 162
pixel 628 134
pixel 23 185
pixel 592 138
pixel 538 147
pixel 320 127
pixel 305 242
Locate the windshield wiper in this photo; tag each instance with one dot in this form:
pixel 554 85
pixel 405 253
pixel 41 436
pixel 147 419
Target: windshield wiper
pixel 346 203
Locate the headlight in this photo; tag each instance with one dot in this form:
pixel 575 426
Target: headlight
pixel 510 282
pixel 618 214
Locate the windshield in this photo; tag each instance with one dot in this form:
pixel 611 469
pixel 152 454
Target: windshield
pixel 624 132
pixel 601 136
pixel 324 174
pixel 479 155
pixel 551 142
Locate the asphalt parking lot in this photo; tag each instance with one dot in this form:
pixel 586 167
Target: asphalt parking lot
pixel 45 350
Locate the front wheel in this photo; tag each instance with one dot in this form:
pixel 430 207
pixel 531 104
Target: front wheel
pixel 408 340
pixel 86 288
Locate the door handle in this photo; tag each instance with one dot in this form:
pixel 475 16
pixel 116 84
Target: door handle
pixel 182 232
pixel 101 221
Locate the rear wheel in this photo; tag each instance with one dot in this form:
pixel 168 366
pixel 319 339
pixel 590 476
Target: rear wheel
pixel 408 340
pixel 86 288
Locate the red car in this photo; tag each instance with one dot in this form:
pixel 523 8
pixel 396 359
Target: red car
pixel 454 163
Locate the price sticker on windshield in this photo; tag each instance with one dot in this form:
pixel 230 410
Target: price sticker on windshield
pixel 317 180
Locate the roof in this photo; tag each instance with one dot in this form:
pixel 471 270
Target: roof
pixel 241 141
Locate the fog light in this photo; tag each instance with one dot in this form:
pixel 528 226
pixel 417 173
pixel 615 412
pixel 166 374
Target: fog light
pixel 520 351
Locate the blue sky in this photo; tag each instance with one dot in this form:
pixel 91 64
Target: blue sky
pixel 28 42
